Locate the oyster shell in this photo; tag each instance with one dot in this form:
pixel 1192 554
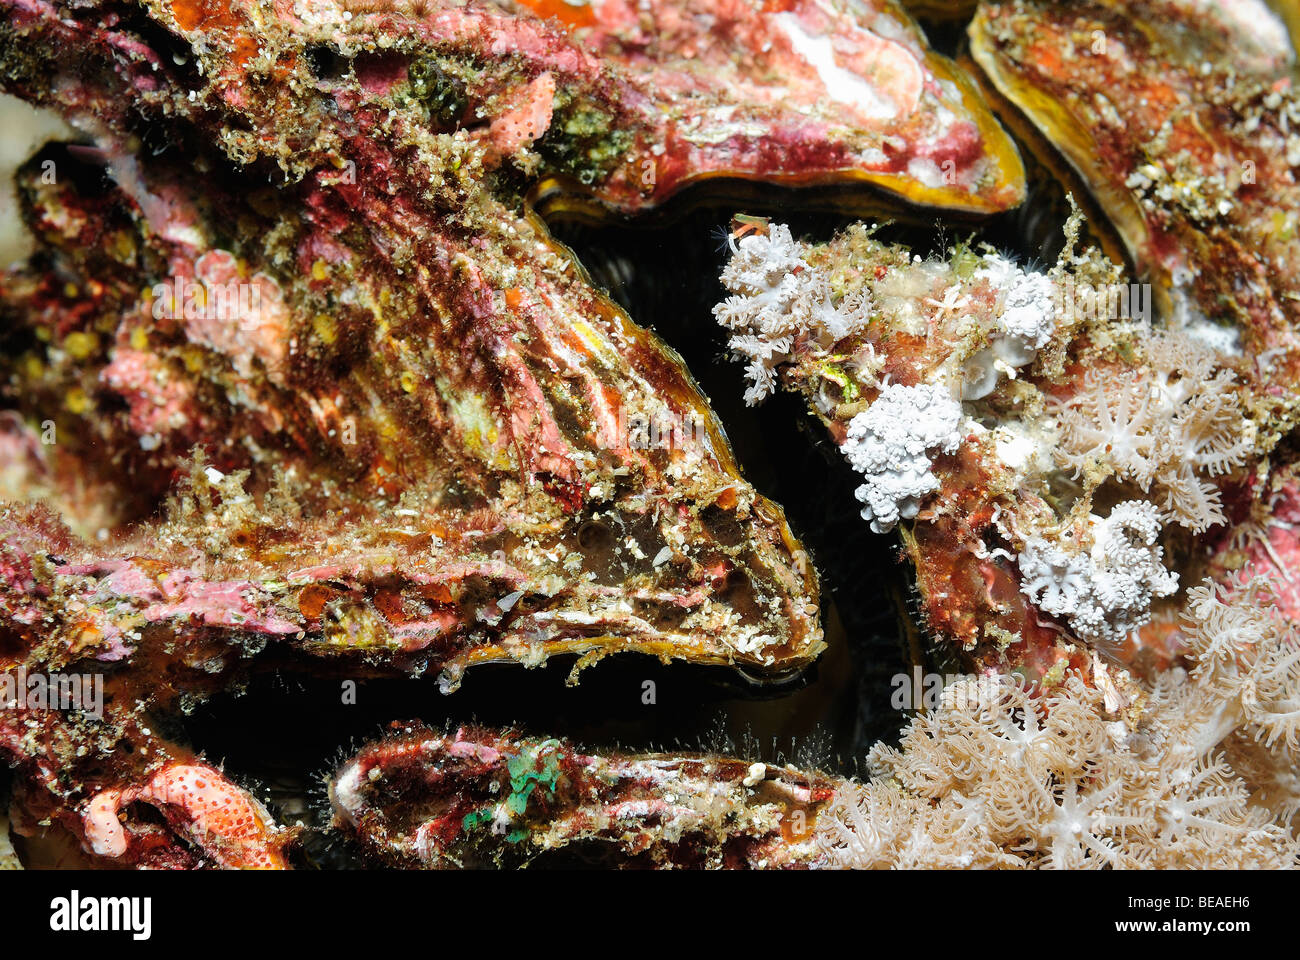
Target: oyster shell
pixel 488 460
pixel 1176 116
pixel 501 797
pixel 799 93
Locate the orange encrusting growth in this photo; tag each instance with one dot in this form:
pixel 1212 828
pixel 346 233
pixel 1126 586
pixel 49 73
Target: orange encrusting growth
pixel 202 805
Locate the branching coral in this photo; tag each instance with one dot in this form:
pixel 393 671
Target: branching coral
pixel 1107 591
pixel 778 298
pixel 1178 420
pixel 889 442
pixel 820 313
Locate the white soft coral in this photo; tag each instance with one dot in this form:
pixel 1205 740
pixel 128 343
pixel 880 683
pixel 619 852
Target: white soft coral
pixel 777 298
pixel 1110 419
pixel 1028 317
pixel 1173 424
pixel 1244 647
pixel 1026 312
pixel 1106 592
pixel 1026 320
pixel 889 444
pixel 1001 774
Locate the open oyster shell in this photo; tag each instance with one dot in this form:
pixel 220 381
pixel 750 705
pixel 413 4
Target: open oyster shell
pixel 1176 117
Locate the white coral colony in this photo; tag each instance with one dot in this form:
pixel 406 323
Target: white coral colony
pixel 1168 428
pixel 777 297
pixel 1107 591
pixel 889 444
pixel 1025 322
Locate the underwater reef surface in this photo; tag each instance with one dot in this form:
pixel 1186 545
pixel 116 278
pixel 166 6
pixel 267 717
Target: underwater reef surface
pixel 299 389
